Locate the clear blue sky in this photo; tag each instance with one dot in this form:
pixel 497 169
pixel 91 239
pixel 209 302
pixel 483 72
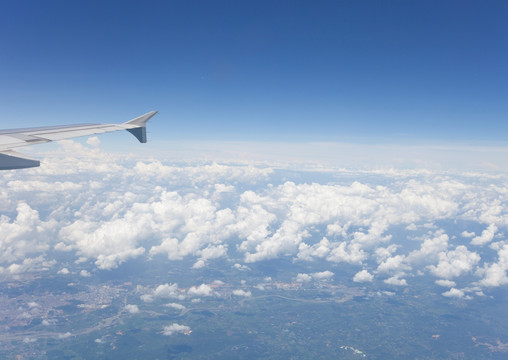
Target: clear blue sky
pixel 257 70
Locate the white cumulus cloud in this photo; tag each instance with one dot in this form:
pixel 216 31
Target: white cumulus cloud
pixel 176 306
pixel 84 273
pixel 363 276
pixel 396 280
pixel 323 275
pixel 455 263
pixel 63 271
pixel 176 329
pixel 445 283
pixel 454 293
pixel 303 278
pixel 486 236
pixel 201 290
pixel 240 292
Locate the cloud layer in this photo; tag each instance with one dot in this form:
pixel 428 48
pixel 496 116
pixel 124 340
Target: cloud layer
pixel 108 210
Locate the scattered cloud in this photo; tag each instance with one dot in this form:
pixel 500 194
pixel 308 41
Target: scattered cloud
pixel 63 271
pixel 166 291
pixel 394 263
pixel 363 276
pixel 38 264
pixel 84 273
pixel 176 306
pixel 467 234
pixel 201 290
pixel 147 298
pixel 494 274
pixel 396 280
pixel 176 329
pixel 445 283
pixel 323 275
pixel 455 263
pixel 486 236
pixel 241 267
pixel 133 309
pixel 243 293
pixel 25 235
pixel 454 293
pixel 303 278
pixel 430 248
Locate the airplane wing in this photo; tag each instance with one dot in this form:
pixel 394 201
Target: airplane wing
pixel 9 139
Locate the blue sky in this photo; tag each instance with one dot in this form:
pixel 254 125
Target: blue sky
pixel 389 71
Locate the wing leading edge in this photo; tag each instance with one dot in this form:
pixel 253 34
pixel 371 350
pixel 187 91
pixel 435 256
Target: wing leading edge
pixel 10 139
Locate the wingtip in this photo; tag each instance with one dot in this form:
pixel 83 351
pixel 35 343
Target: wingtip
pixel 139 131
pixel 143 119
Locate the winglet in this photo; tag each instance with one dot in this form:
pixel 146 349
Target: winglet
pixel 140 122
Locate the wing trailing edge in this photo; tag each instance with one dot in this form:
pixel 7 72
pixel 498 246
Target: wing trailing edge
pixel 10 139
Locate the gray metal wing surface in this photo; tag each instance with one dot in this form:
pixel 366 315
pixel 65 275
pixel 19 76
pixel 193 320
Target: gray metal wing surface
pixel 10 139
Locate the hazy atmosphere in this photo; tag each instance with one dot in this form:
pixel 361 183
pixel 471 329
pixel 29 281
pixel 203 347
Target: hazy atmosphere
pixel 323 180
